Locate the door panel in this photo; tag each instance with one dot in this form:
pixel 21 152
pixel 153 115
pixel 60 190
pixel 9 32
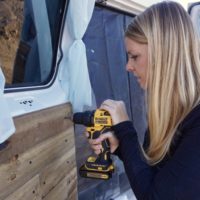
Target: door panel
pixel 40 156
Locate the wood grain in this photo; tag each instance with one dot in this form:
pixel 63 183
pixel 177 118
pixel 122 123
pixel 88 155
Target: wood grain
pixel 40 157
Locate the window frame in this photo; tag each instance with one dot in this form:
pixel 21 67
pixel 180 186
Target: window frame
pixel 56 59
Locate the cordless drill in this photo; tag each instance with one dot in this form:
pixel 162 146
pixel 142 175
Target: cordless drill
pixel 97 123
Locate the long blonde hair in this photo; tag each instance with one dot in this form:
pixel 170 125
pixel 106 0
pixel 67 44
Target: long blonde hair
pixel 173 77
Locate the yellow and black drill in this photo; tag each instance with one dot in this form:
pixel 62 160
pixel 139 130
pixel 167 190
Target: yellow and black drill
pixel 97 123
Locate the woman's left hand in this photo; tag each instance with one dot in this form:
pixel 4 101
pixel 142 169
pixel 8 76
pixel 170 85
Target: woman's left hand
pixel 96 144
pixel 116 109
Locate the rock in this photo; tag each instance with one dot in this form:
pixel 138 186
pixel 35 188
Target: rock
pixel 11 18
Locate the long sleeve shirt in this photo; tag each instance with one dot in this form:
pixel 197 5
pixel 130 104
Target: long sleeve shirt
pixel 177 176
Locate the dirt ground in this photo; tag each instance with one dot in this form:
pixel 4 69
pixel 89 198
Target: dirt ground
pixel 11 17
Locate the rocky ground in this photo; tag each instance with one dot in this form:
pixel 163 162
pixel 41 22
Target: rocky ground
pixel 11 17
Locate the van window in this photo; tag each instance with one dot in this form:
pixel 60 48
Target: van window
pixel 29 33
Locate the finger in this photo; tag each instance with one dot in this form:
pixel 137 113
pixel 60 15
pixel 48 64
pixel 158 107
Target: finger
pixel 105 107
pixel 109 106
pixel 107 102
pixel 105 136
pixel 97 152
pixel 86 134
pixel 96 147
pixel 94 142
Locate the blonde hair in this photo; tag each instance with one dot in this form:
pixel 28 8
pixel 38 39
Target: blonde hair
pixel 173 75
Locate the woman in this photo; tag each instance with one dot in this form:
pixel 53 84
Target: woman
pixel 163 53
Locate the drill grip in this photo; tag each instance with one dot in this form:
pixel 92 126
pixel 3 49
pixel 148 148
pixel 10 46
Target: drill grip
pixel 104 156
pixel 94 133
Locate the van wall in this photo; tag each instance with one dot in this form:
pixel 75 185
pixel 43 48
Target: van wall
pixel 38 161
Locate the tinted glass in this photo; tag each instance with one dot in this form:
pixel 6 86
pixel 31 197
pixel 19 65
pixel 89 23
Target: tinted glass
pixel 29 33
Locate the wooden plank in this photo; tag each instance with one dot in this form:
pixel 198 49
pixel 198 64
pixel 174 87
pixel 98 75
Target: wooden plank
pixel 60 192
pixel 39 161
pixel 19 171
pixel 36 127
pixel 30 190
pixel 52 174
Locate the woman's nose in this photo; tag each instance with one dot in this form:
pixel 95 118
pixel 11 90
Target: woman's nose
pixel 129 67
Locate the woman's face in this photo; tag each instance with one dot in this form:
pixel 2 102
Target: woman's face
pixel 137 60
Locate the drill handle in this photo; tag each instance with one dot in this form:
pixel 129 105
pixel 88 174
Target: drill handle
pixel 106 145
pixel 94 134
pixel 104 156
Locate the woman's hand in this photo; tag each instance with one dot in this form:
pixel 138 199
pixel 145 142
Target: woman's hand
pixel 96 143
pixel 116 109
pixel 118 114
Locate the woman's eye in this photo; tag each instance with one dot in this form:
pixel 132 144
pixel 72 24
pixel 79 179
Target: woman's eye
pixel 134 57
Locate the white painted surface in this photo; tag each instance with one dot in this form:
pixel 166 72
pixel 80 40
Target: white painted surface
pixel 74 73
pixel 7 127
pixel 128 195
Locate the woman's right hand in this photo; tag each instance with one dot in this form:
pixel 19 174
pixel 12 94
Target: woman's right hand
pixel 96 143
pixel 117 110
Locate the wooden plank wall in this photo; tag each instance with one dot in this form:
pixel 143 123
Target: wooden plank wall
pixel 39 159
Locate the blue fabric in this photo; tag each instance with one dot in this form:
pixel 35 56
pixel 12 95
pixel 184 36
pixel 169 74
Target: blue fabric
pixel 106 57
pixel 177 176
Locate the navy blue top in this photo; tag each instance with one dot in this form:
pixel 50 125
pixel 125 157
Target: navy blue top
pixel 177 176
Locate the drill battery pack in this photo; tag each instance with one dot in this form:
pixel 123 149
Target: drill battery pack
pixel 94 168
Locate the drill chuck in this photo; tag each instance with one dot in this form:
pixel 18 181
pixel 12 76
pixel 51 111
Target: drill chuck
pixel 85 118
